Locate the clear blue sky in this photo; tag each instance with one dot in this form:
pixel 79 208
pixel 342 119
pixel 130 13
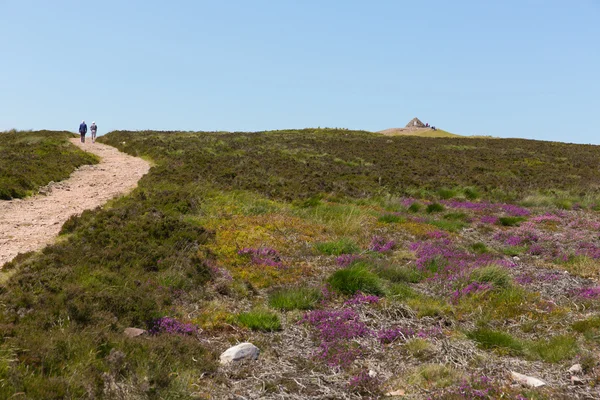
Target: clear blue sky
pixel 516 68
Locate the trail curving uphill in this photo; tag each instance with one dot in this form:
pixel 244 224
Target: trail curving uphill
pixel 32 223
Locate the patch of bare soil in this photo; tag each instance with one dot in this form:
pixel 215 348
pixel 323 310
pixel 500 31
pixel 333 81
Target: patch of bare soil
pixel 32 223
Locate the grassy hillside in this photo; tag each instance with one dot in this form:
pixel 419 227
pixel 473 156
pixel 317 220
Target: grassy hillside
pixel 336 253
pixel 29 160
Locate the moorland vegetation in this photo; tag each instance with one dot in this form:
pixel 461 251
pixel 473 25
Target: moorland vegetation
pixel 29 160
pixel 359 264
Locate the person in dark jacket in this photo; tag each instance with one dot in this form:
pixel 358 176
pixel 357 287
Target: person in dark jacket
pixel 82 131
pixel 93 129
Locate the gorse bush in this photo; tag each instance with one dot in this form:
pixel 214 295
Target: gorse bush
pixel 356 278
pixel 29 160
pixel 295 298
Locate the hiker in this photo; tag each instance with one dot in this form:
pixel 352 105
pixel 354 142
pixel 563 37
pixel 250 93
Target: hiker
pixel 82 131
pixel 93 129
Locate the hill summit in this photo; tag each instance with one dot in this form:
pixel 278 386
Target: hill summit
pixel 416 127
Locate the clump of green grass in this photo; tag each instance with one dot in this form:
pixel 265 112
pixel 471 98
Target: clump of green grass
pixel 587 325
pixel 391 218
pixel 556 349
pixel 295 298
pixel 401 291
pixel 435 208
pixel 434 376
pixel 415 207
pixel 396 273
pixel 513 250
pixel 511 221
pixel 491 339
pixel 426 306
pixel 338 247
pixel 494 274
pixel 450 226
pixel 260 320
pixel 455 216
pixel 356 278
pixel 419 348
pixel 446 194
pixel 471 193
pixel 479 248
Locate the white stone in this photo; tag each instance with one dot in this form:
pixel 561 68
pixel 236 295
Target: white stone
pixel 575 369
pixel 398 393
pixel 527 380
pixel 133 332
pixel 243 351
pixel 575 380
pixel 372 373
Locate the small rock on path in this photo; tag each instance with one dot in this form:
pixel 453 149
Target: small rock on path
pixel 30 224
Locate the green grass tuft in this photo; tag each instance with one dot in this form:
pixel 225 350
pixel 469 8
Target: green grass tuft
pixel 492 339
pixel 391 218
pixel 511 221
pixel 556 349
pixel 338 247
pixel 494 274
pixel 260 320
pixel 295 298
pixel 435 207
pixel 354 279
pixel 479 248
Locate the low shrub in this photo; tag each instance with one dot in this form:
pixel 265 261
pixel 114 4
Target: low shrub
pixel 356 278
pixel 295 298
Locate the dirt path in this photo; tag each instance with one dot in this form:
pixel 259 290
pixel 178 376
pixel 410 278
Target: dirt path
pixel 32 223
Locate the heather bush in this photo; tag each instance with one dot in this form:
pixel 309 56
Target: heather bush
pixel 260 320
pixel 356 278
pixel 338 247
pixel 301 298
pixel 29 160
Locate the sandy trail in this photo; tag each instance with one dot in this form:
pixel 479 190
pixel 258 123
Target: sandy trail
pixel 32 223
